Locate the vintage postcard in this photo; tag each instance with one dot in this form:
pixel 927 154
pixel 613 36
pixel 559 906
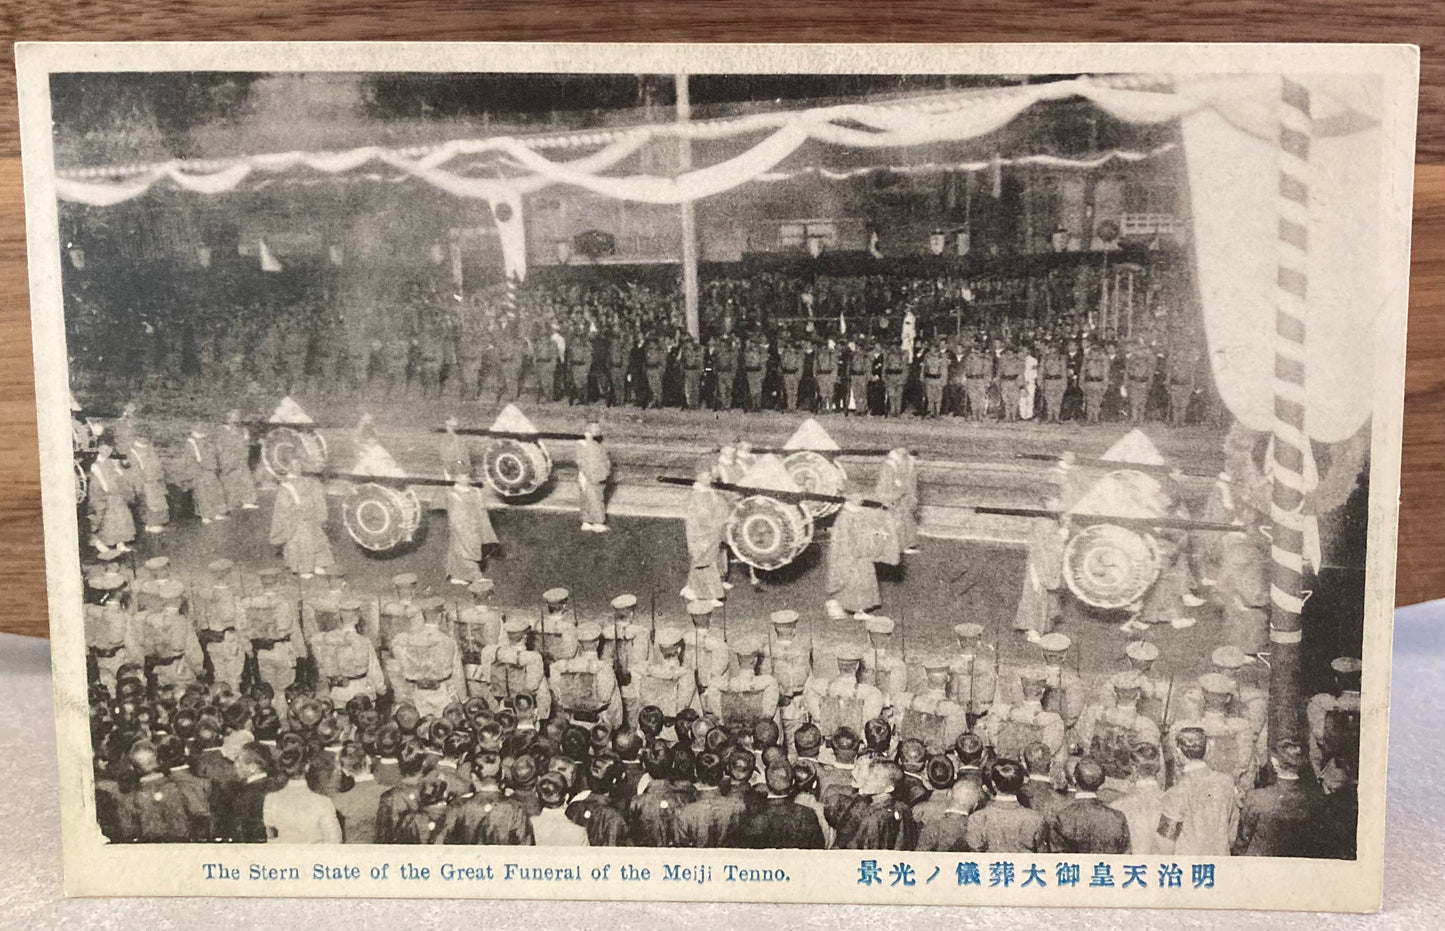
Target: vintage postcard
pixel 953 475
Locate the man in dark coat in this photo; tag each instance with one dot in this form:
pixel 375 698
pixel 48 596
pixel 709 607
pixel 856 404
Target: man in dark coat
pixel 486 816
pixel 239 813
pixel 652 814
pixel 712 820
pixel 869 817
pixel 778 821
pixel 1005 826
pixel 594 807
pixel 1039 792
pixel 1086 824
pixel 1282 820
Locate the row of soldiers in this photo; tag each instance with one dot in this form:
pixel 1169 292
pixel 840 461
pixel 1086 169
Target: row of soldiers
pixel 423 651
pixel 980 375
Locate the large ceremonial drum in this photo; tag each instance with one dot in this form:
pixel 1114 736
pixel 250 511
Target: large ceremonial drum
pixel 381 518
pixel 513 467
pixel 1109 566
pixel 284 446
pixel 818 474
pixel 765 533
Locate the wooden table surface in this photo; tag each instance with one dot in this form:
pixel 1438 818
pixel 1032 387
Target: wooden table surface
pixel 1422 515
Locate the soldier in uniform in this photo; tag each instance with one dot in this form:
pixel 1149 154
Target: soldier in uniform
pixel 743 697
pixel 396 613
pixel 1064 691
pixel 790 663
pixel 1011 365
pixel 479 625
pixel 1183 370
pixel 167 640
pixel 456 455
pixel 1231 739
pixel 1014 724
pixel 790 364
pixel 1139 367
pixel 579 365
pixel 973 681
pixel 654 361
pixel 218 622
pixel 509 669
pixel 692 359
pixel 978 370
pixel 111 631
pixel 155 570
pixel 931 715
pixel 825 374
pixel 725 364
pixel 553 355
pixel 755 363
pixel 1109 731
pixel 585 687
pixel 1096 380
pixel 618 347
pixel 557 638
pixel 626 645
pixel 895 377
pixel 1248 701
pixel 935 375
pixel 509 367
pixel 667 683
pixel 860 366
pixel 271 629
pixel 430 364
pixel 1334 722
pixel 468 369
pixel 1055 374
pixel 1153 691
pixel 233 451
pixel 428 662
pixel 346 661
pixel 843 701
pixel 882 668
pixel 707 653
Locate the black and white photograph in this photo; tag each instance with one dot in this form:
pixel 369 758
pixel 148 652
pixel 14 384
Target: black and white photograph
pixel 712 457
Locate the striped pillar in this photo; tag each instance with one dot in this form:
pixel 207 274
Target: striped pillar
pixel 1291 443
pixel 511 296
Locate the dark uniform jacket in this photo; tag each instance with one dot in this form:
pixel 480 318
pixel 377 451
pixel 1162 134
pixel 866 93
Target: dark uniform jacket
pixel 712 820
pixel 652 816
pixel 356 810
pixel 239 812
pixel 1005 826
pixel 1087 825
pixel 866 823
pixel 947 831
pixel 604 824
pixel 1280 820
pixel 780 822
pixel 487 817
pixel 158 811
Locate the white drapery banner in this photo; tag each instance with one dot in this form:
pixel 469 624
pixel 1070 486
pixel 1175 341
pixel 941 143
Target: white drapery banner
pixel 1230 134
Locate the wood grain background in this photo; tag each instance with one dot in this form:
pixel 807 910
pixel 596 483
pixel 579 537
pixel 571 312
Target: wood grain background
pixel 1421 22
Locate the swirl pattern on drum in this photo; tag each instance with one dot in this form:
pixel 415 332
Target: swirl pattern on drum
pixel 767 534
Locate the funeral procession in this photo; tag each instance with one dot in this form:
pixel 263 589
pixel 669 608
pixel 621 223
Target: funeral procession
pixel 865 462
